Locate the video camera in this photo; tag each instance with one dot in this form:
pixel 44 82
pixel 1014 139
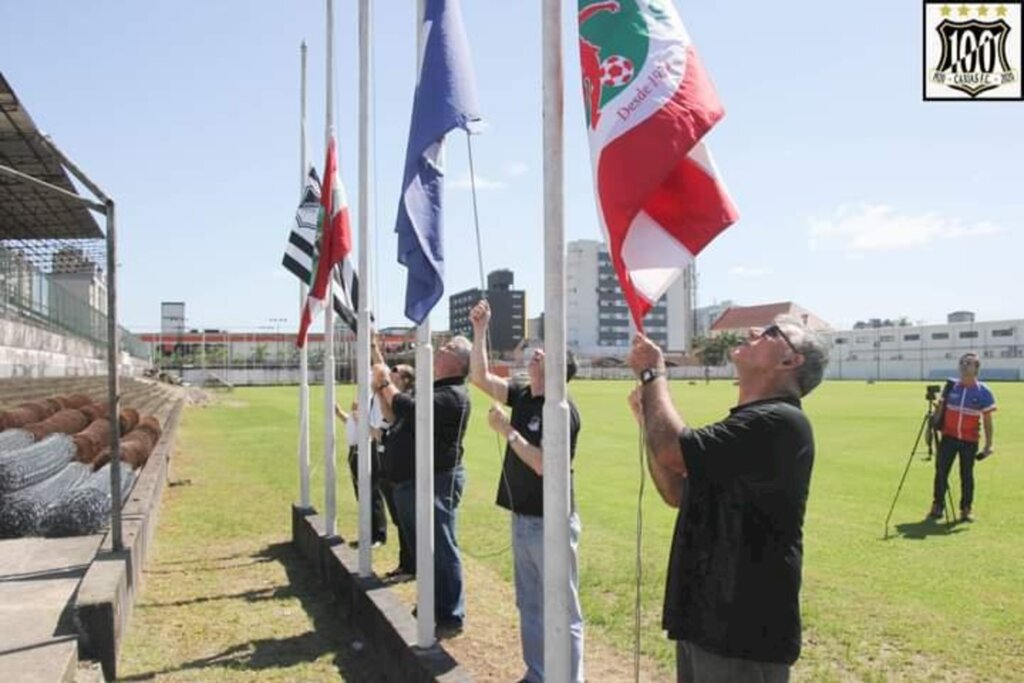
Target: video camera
pixel 932 391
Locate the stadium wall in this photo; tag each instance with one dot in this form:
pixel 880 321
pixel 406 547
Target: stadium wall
pixel 30 351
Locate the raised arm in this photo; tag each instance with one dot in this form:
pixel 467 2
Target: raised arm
pixel 479 368
pixel 385 391
pixel 668 482
pixel 652 406
pixel 375 355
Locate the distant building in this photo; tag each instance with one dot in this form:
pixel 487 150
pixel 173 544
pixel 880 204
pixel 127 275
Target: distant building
pixel 960 317
pixel 172 325
pixel 597 317
pixel 739 319
pixel 927 352
pixel 508 311
pixel 706 315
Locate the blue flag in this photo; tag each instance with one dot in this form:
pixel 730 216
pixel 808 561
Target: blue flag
pixel 445 99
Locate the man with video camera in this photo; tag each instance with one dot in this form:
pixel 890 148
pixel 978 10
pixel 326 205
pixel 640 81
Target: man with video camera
pixel 965 405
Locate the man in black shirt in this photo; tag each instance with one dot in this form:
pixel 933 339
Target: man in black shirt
pixel 451 417
pixel 732 597
pixel 404 379
pixel 521 491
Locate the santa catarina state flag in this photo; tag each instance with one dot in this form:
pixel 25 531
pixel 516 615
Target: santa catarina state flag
pixel 649 103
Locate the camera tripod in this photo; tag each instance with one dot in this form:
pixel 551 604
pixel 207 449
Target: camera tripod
pixel 931 437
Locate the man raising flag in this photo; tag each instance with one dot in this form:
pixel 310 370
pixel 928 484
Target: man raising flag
pixel 445 99
pixel 649 103
pixel 334 235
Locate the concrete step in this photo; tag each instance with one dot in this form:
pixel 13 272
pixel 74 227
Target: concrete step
pixel 89 672
pixel 53 661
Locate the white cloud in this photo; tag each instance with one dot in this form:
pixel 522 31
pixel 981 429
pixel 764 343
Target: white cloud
pixel 464 183
pixel 744 271
pixel 514 169
pixel 872 227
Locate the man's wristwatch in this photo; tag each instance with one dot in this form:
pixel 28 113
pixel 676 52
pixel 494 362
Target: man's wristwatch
pixel 648 375
pixel 512 436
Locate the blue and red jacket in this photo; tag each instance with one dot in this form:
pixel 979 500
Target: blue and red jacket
pixel 965 405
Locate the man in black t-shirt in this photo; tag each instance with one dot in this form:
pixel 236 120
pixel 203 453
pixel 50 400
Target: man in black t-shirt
pixel 521 491
pixel 732 596
pixel 451 417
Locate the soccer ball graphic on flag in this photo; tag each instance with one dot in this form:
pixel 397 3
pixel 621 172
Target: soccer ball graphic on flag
pixel 616 71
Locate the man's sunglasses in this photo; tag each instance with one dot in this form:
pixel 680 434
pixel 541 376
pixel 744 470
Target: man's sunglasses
pixel 775 332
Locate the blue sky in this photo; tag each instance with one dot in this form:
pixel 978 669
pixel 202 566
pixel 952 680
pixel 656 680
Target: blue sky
pixel 857 199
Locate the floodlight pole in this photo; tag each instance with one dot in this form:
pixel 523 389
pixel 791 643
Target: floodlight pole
pixel 106 205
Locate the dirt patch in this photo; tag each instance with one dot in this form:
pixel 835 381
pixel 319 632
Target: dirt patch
pixel 489 646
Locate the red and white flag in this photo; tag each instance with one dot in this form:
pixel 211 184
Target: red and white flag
pixel 649 103
pixel 334 238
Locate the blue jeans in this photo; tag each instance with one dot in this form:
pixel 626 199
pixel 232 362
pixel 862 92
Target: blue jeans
pixel 449 595
pixel 528 555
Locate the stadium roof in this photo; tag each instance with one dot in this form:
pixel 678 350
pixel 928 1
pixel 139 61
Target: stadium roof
pixel 28 212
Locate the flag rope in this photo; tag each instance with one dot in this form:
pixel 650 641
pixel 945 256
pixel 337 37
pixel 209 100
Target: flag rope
pixel 637 613
pixel 476 216
pixel 487 337
pixel 373 185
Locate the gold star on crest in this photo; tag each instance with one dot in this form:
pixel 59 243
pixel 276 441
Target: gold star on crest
pixel 964 10
pixel 945 10
pixel 1001 10
pixel 982 11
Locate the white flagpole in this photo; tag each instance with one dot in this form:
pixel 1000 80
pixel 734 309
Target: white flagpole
pixel 424 445
pixel 304 500
pixel 555 442
pixel 330 478
pixel 363 333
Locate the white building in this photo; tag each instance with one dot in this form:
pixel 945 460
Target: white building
pixel 597 318
pixel 927 352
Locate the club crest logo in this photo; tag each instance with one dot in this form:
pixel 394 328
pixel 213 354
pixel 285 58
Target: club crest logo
pixel 613 45
pixel 972 51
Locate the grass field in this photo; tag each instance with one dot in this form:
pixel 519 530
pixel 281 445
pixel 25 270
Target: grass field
pixel 929 603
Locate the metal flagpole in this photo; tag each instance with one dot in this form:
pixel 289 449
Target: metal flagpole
pixel 330 478
pixel 424 445
pixel 555 442
pixel 304 500
pixel 363 333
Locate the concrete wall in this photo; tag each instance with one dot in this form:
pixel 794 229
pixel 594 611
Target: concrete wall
pixel 29 351
pixel 248 376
